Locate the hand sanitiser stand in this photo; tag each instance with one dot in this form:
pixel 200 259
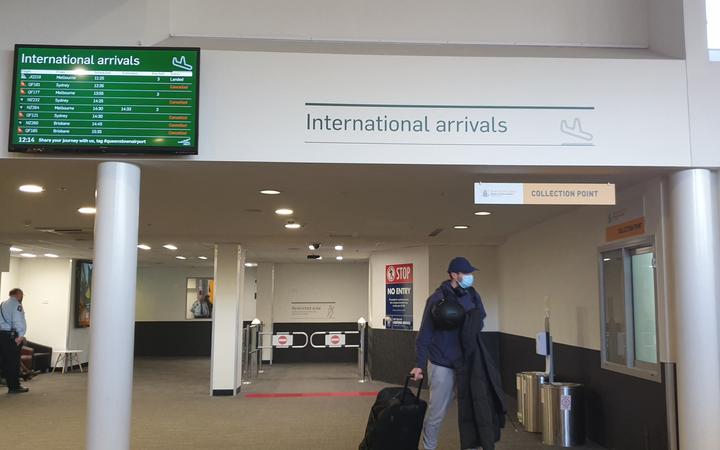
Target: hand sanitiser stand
pixel 543 344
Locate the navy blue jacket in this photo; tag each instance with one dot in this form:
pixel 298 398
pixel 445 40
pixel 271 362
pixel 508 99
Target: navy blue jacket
pixel 443 347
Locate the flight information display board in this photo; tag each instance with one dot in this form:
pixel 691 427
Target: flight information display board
pixel 132 100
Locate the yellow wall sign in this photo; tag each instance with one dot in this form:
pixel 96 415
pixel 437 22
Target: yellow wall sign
pixel 544 194
pixel 635 227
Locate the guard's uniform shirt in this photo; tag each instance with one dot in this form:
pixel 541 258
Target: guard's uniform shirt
pixel 12 316
pixel 12 319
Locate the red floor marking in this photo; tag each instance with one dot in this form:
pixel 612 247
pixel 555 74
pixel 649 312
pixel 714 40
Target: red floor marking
pixel 312 394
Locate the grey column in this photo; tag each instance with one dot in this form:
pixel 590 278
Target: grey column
pixel 113 310
pixel 696 290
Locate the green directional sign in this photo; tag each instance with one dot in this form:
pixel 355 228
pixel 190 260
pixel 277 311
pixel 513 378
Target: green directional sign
pixel 105 99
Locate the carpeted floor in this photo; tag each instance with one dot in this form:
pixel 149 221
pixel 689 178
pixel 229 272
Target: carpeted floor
pixel 172 410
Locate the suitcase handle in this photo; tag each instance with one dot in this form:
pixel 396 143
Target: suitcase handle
pixel 407 382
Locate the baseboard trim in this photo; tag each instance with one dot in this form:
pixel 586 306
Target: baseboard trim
pixel 223 392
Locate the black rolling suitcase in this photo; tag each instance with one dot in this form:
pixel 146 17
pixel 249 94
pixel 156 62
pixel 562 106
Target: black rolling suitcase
pixel 396 420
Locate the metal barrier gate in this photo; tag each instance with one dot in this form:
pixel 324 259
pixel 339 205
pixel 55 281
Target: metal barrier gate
pixel 252 345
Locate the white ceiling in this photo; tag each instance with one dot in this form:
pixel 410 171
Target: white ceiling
pixel 195 204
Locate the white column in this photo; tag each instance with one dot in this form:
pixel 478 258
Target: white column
pixel 696 265
pixel 226 357
pixel 113 310
pixel 265 300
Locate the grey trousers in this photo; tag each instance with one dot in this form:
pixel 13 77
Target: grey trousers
pixel 441 381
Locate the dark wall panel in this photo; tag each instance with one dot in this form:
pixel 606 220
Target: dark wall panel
pixel 622 412
pixel 186 338
pixel 311 354
pixel 391 353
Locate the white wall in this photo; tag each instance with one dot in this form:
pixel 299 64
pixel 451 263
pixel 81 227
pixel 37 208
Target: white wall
pixel 703 88
pixel 487 277
pixel 559 259
pixel 161 292
pixel 46 284
pixel 666 27
pixel 560 22
pixel 345 283
pixel 420 258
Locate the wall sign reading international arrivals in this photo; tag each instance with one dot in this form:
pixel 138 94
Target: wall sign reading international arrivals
pixel 131 100
pixel 544 194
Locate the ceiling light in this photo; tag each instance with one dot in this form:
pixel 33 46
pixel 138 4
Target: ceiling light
pixel 144 247
pixel 339 248
pixel 170 247
pixel 269 192
pixel 31 188
pixel 180 257
pixel 314 246
pixel 202 257
pixel 51 255
pixel 87 210
pixel 339 258
pixel 483 213
pixel 284 212
pixel 607 259
pixel 461 227
pixel 250 264
pixel 319 258
pixel 292 225
pixel 28 255
pixel 15 249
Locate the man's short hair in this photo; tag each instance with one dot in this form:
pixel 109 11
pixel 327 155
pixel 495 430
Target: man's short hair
pixel 14 292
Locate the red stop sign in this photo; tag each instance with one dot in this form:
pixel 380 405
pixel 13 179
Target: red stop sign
pixel 282 340
pixel 334 339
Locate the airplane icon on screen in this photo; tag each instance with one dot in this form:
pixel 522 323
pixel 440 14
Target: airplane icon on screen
pixel 181 63
pixel 184 141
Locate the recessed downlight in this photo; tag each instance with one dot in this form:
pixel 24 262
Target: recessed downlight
pixel 202 257
pixel 144 247
pixel 180 257
pixel 461 227
pixel 31 189
pixel 50 255
pixel 292 225
pixel 250 264
pixel 339 248
pixel 483 213
pixel 339 258
pixel 28 255
pixel 284 212
pixel 270 192
pixel 170 247
pixel 87 210
pixel 314 246
pixel 15 249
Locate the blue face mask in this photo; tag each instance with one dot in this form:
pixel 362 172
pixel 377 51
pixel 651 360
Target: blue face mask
pixel 467 281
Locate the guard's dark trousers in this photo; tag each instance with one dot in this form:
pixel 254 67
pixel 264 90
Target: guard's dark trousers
pixel 10 360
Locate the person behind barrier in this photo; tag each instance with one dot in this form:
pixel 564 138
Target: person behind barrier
pixel 200 309
pixel 12 337
pixel 439 344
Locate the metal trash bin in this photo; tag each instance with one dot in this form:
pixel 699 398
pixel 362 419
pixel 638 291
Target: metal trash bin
pixel 532 411
pixel 519 385
pixel 563 416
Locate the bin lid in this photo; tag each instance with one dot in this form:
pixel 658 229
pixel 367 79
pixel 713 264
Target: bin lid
pixel 561 385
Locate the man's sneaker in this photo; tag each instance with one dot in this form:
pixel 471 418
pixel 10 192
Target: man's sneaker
pixel 18 390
